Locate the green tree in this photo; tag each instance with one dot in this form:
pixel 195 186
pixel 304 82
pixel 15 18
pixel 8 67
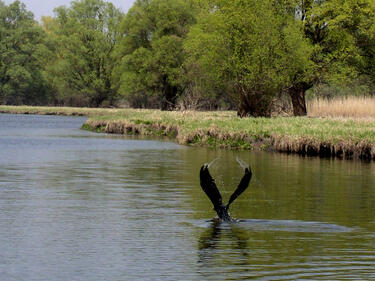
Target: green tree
pixel 85 35
pixel 23 53
pixel 151 52
pixel 342 33
pixel 251 49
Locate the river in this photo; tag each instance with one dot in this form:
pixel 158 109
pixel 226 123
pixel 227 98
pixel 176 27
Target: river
pixel 76 205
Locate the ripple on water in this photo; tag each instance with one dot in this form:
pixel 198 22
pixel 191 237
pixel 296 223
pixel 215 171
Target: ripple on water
pixel 293 226
pixel 75 205
pixel 299 250
pixel 279 225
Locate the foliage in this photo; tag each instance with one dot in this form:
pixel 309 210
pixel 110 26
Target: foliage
pixel 195 54
pixel 248 48
pixel 23 52
pixel 85 35
pixel 151 53
pixel 342 32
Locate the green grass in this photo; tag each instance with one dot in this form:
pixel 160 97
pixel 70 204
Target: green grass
pixel 308 136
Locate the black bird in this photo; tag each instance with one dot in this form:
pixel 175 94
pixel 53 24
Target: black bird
pixel 209 187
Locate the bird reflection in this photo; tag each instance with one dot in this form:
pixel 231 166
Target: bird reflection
pixel 209 238
pixel 222 237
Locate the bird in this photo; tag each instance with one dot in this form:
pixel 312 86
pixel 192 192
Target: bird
pixel 209 187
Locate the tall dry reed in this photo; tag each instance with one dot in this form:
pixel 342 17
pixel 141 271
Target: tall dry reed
pixel 352 107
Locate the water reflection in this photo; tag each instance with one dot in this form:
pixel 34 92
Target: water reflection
pixel 215 234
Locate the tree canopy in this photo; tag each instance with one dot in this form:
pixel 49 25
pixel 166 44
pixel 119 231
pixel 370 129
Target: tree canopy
pixel 251 49
pixel 151 52
pixel 342 35
pixel 245 55
pixel 84 38
pixel 23 53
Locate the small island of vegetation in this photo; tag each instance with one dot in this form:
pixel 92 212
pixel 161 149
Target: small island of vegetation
pixel 291 76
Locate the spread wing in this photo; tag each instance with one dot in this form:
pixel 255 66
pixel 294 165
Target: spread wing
pixel 209 187
pixel 243 184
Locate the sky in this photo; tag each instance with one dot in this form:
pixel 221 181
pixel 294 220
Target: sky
pixel 45 7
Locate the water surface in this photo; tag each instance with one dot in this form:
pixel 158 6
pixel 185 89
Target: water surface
pixel 76 205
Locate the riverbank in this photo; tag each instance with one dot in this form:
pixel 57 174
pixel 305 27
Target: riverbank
pixel 325 137
pixel 50 110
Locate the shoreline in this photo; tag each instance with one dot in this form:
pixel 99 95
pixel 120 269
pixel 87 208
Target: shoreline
pixel 324 137
pixel 304 146
pixel 56 110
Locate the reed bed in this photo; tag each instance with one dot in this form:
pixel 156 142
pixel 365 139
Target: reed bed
pixel 352 107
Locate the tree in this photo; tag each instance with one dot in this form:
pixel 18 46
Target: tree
pixel 23 52
pixel 342 35
pixel 151 52
pixel 249 48
pixel 85 35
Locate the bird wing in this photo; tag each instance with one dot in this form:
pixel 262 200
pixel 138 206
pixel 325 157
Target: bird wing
pixel 242 186
pixel 209 187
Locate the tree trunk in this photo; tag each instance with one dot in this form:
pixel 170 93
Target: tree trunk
pixel 297 94
pixel 169 96
pixel 254 105
pixel 97 100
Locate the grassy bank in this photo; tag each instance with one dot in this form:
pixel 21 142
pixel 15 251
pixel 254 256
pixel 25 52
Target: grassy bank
pixel 326 137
